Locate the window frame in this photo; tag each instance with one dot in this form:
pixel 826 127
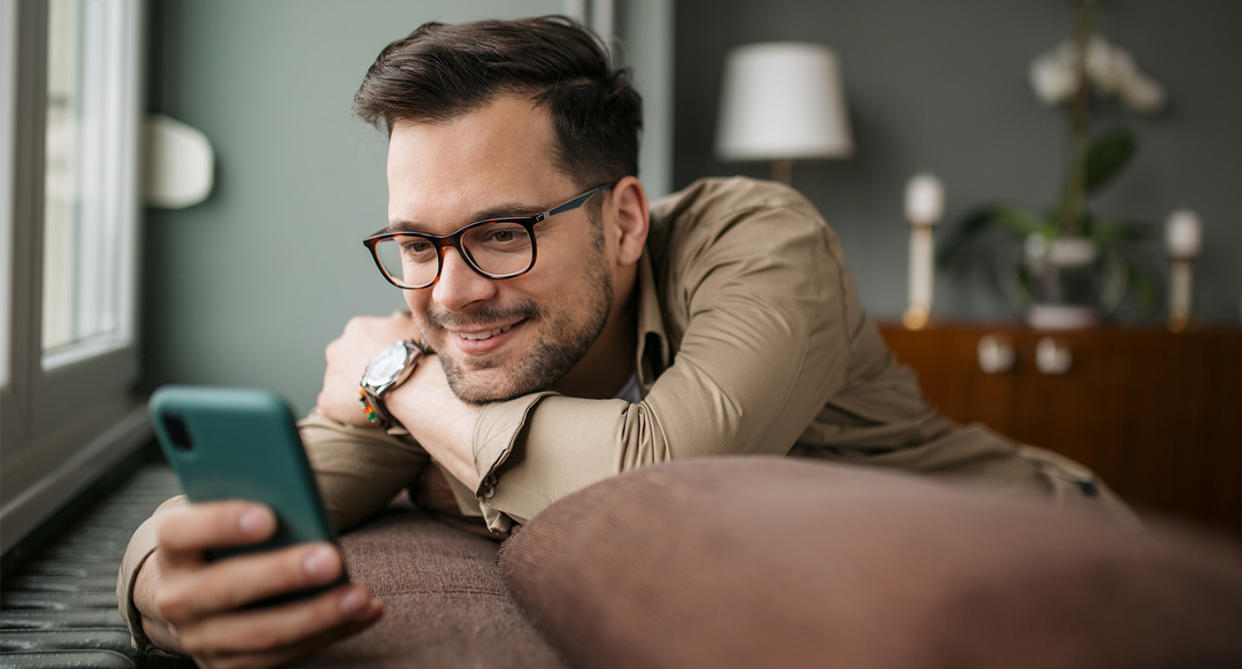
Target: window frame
pixel 65 418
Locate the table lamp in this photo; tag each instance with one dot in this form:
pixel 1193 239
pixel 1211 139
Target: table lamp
pixel 783 101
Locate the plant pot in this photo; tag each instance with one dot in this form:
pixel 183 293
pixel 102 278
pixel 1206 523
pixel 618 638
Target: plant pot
pixel 1068 282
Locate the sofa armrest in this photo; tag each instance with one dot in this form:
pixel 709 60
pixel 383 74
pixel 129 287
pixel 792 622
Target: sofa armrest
pixel 760 561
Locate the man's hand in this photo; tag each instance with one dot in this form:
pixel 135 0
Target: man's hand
pixel 195 607
pixel 348 357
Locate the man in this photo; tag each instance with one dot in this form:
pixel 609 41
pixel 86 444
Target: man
pixel 568 331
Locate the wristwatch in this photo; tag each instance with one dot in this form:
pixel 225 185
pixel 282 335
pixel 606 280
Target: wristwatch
pixel 389 369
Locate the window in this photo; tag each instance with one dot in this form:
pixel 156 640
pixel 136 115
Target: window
pixel 70 140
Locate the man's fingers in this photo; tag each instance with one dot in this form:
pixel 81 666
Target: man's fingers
pixel 280 657
pixel 316 621
pixel 185 532
pixel 238 581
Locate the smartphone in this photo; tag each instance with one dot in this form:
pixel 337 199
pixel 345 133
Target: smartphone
pixel 242 443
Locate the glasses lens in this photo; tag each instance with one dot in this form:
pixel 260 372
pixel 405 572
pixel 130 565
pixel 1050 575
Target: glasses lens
pixel 499 248
pixel 408 259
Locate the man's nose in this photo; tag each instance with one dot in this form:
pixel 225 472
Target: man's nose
pixel 459 285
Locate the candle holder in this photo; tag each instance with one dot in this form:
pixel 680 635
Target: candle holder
pixel 1184 240
pixel 924 208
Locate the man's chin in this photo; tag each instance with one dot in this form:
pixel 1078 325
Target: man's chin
pixel 481 386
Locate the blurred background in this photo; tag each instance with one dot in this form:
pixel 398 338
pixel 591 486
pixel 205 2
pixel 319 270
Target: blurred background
pixel 242 274
pixel 247 286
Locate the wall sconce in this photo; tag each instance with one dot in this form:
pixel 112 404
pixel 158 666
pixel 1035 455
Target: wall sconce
pixel 783 101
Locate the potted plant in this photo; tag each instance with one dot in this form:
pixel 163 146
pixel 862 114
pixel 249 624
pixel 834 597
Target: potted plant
pixel 1069 270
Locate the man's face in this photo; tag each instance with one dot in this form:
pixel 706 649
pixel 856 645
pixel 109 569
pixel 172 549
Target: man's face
pixel 498 339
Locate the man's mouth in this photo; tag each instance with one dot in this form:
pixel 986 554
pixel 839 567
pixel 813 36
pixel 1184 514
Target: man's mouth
pixel 485 342
pixel 485 334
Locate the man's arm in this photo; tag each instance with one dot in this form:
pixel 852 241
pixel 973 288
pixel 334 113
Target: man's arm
pixel 358 468
pixel 764 348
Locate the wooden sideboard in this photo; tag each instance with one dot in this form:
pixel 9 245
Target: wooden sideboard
pixel 1157 414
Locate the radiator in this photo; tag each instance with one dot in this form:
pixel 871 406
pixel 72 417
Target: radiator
pixel 58 608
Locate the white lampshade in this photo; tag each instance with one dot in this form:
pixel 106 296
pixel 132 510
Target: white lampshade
pixel 783 100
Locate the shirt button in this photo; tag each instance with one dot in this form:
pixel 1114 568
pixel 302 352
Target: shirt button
pixel 489 491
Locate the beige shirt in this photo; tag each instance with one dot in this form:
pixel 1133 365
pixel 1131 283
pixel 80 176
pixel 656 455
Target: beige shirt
pixel 750 340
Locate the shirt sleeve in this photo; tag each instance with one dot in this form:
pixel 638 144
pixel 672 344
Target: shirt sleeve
pixel 768 307
pixel 358 469
pixel 140 547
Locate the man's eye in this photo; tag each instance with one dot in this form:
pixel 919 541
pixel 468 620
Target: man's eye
pixel 502 236
pixel 415 246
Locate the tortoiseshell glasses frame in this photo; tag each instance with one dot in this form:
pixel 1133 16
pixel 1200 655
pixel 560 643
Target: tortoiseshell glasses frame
pixel 497 248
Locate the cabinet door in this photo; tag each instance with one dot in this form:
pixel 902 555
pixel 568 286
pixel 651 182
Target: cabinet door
pixel 1153 412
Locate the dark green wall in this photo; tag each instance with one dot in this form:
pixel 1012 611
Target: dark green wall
pixel 942 87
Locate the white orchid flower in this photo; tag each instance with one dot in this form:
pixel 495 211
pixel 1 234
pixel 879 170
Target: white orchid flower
pixel 1054 75
pixel 1107 65
pixel 1143 95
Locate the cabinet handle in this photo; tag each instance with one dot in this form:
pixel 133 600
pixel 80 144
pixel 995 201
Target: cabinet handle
pixel 1052 357
pixel 996 354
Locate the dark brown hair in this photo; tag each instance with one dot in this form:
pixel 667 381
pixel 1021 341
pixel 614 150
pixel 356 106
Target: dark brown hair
pixel 439 72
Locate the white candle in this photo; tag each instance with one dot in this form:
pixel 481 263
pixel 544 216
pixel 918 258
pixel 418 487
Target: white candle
pixel 1180 289
pixel 1183 234
pixel 924 207
pixel 921 274
pixel 924 200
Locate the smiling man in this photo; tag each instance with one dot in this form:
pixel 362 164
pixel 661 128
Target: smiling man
pixel 559 331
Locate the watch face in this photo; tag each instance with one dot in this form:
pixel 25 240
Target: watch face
pixel 386 366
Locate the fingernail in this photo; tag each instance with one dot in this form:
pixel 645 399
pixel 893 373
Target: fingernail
pixel 318 564
pixel 253 521
pixel 354 602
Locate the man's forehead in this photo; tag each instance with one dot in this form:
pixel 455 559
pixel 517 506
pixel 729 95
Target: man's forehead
pixel 499 158
pixel 507 129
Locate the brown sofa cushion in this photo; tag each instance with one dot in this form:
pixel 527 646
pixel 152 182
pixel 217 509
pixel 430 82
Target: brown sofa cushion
pixel 759 561
pixel 444 602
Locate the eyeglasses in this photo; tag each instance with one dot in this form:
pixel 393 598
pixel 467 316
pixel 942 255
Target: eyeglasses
pixel 499 248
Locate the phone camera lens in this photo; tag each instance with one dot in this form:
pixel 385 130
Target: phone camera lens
pixel 174 425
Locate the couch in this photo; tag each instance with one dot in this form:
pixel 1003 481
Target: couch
pixel 767 561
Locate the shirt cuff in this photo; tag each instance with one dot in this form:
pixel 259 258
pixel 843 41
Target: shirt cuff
pixel 496 432
pixel 141 546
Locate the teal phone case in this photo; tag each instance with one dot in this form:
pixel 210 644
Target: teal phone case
pixel 241 443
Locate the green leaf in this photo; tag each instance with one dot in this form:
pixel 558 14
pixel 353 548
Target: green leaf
pixel 1145 288
pixel 976 221
pixel 1113 232
pixel 1024 222
pixel 1107 155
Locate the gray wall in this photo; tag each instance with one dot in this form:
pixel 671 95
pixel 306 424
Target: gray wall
pixel 941 87
pixel 247 287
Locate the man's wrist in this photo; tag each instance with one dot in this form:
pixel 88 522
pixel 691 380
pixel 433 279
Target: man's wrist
pixel 387 372
pixel 441 422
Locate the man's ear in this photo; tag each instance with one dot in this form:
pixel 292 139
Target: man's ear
pixel 632 214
